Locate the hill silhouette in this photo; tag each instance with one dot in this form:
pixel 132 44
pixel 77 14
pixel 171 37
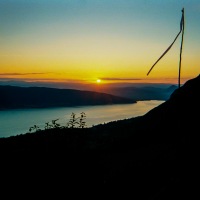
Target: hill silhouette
pixel 138 93
pixel 154 156
pixel 135 91
pixel 41 97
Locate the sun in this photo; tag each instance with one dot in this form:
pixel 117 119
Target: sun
pixel 98 80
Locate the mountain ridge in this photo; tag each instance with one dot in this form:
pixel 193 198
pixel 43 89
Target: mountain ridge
pixel 154 156
pixel 135 91
pixel 40 97
pixel 143 92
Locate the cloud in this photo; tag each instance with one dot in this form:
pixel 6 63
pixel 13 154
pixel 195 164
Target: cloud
pixel 20 74
pixel 120 79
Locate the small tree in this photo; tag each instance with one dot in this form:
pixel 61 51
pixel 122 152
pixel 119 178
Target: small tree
pixel 82 123
pixel 47 126
pixel 73 121
pixel 55 124
pixel 34 128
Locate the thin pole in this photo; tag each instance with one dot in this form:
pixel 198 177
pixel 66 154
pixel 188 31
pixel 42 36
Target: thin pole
pixel 182 24
pixel 181 48
pixel 164 52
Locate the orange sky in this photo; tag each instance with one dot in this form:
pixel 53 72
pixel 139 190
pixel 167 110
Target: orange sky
pixel 116 41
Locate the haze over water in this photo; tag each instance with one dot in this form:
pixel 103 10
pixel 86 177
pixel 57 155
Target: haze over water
pixel 14 122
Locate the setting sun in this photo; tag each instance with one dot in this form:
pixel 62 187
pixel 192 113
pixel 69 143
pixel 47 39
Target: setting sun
pixel 98 81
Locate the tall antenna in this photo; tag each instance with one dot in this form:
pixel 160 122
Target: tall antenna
pixel 181 30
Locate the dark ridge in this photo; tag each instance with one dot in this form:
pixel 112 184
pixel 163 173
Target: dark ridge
pixel 154 156
pixel 143 92
pixel 41 97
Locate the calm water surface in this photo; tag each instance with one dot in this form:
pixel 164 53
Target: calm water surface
pixel 14 122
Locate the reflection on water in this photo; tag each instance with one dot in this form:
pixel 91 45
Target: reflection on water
pixel 14 122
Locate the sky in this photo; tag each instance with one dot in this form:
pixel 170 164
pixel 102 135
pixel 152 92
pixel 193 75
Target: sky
pixel 81 41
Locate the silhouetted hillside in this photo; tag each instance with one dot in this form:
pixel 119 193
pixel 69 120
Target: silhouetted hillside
pixel 135 91
pixel 39 97
pixel 154 156
pixel 143 92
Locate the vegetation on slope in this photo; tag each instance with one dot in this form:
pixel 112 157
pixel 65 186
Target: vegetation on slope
pixel 147 157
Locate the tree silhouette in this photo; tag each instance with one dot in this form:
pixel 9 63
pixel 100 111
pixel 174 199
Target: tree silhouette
pixel 82 122
pixel 73 121
pixel 34 128
pixel 55 124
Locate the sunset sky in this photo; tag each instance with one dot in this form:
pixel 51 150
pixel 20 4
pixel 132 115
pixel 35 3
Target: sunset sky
pixel 86 40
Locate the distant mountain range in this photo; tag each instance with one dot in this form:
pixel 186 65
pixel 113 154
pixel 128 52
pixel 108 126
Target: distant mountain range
pixel 29 96
pixel 143 92
pixel 154 156
pixel 41 97
pixel 135 91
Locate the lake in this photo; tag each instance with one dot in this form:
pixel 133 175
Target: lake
pixel 18 121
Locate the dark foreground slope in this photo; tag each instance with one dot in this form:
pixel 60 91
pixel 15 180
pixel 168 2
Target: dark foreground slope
pixel 41 97
pixel 154 156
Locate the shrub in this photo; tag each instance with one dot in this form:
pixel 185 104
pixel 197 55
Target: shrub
pixel 74 122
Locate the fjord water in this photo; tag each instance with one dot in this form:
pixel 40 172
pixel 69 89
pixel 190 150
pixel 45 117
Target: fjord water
pixel 15 122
